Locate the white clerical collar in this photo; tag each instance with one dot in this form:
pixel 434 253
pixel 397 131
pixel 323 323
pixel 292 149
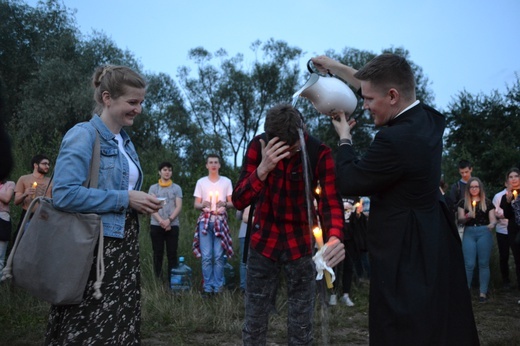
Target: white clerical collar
pixel 407 108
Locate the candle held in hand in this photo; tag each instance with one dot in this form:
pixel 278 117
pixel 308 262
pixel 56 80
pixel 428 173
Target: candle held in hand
pixel 34 185
pixel 318 235
pixel 515 194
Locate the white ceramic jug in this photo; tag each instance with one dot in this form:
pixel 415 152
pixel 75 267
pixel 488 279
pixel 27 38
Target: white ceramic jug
pixel 327 93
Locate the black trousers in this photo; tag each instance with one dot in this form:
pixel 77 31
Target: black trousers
pixel 161 238
pixel 503 254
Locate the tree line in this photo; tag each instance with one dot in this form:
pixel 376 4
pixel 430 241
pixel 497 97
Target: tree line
pixel 46 64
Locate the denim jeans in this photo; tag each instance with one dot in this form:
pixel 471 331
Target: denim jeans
pixel 243 266
pixel 477 241
pixel 212 259
pixel 262 283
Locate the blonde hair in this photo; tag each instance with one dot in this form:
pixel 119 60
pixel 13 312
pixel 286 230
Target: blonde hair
pixel 482 195
pixel 114 79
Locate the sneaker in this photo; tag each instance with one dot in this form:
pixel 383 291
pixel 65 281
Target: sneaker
pixel 346 299
pixel 333 300
pixel 482 299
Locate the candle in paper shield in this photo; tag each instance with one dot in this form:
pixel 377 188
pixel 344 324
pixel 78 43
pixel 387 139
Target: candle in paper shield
pixel 515 194
pixel 318 235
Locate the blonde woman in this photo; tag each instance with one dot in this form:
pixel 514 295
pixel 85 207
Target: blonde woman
pixel 115 318
pixel 477 214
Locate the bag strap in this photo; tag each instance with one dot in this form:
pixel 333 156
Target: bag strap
pixel 93 176
pixel 92 182
pixel 94 164
pixel 100 265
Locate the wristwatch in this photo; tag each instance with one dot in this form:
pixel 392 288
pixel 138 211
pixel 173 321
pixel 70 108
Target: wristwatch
pixel 343 141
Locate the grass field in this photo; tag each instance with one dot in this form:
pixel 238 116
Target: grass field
pixel 189 319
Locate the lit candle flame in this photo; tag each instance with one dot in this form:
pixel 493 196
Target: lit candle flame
pixel 318 190
pixel 515 193
pixel 34 187
pixel 318 235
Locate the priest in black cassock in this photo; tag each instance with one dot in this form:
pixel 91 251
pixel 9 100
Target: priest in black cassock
pixel 418 287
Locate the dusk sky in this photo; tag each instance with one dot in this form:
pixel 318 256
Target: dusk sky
pixel 461 45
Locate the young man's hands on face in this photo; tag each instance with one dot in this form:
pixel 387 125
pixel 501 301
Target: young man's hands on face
pixel 272 153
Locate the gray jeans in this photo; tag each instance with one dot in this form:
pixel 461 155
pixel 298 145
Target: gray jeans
pixel 262 283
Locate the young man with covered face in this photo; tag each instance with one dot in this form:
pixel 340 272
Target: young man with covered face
pixel 272 179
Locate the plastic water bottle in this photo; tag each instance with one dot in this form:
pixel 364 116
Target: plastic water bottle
pixel 229 274
pixel 180 277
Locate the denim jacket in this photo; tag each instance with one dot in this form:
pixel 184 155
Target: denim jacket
pixel 110 199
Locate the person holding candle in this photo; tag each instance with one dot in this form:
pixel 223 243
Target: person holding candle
pixel 477 213
pixel 510 204
pixel 212 238
pixel 272 180
pixel 32 185
pixel 164 224
pixel 418 290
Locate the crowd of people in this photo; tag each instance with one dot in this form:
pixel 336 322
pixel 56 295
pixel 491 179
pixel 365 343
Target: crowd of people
pixel 420 248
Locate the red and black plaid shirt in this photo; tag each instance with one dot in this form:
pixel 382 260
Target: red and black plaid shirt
pixel 280 217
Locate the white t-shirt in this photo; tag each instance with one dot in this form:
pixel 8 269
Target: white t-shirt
pixel 221 188
pixel 134 172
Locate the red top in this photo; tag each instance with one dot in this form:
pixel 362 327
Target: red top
pixel 280 217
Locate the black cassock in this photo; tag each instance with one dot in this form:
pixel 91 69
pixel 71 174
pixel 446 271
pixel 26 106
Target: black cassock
pixel 418 289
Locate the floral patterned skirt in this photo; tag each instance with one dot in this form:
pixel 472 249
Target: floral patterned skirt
pixel 115 319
